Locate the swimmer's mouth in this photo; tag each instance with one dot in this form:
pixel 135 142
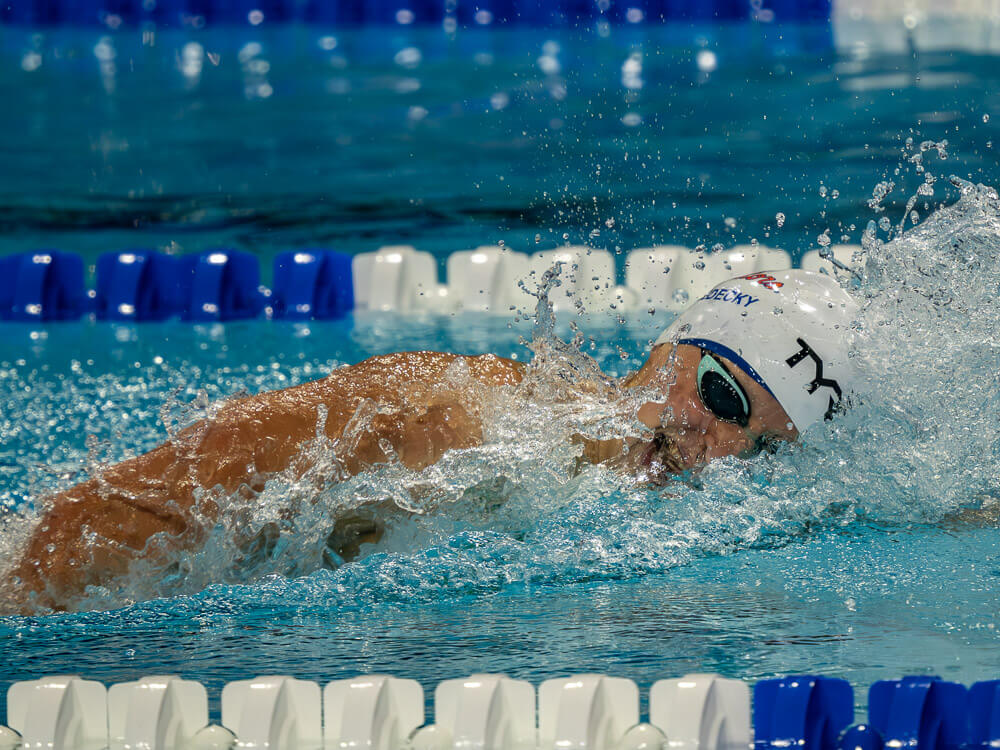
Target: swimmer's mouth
pixel 663 459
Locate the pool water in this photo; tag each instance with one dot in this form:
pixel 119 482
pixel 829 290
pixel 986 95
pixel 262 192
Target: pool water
pixel 279 137
pixel 854 553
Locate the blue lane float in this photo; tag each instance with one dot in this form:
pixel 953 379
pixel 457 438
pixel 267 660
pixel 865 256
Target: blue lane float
pixel 42 286
pixel 220 285
pixel 312 284
pixel 861 737
pixel 803 711
pixel 984 715
pixel 922 712
pixel 138 286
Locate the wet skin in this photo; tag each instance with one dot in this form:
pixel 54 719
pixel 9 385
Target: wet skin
pixel 146 506
pixel 686 435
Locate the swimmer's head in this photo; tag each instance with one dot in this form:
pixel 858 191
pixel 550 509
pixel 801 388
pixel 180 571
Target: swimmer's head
pixel 759 357
pixel 787 330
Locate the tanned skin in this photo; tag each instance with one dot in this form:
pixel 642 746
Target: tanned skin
pixel 92 532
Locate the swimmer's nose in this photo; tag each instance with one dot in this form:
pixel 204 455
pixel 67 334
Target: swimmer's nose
pixel 693 416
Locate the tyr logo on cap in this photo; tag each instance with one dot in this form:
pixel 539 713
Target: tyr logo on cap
pixel 818 380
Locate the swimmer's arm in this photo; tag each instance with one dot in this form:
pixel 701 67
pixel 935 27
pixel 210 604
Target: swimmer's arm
pixel 655 459
pixel 599 451
pixel 91 532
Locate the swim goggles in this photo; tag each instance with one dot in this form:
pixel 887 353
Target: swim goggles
pixel 720 392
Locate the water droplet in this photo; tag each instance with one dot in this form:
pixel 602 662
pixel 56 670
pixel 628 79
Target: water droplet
pixel 680 296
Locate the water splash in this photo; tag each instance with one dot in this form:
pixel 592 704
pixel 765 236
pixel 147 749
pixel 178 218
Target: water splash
pixel 918 446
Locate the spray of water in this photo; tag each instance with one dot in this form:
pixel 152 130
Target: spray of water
pixel 919 445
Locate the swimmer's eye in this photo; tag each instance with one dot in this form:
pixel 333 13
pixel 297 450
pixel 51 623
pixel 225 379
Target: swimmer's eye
pixel 719 391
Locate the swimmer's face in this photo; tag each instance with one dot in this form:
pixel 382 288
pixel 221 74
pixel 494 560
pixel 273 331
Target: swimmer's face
pixel 686 432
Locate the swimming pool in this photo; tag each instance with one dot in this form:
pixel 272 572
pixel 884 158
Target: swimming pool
pixel 839 558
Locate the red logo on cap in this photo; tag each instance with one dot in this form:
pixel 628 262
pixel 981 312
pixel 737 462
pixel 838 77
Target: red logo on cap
pixel 768 282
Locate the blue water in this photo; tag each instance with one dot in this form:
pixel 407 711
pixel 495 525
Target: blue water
pixel 846 555
pixel 264 140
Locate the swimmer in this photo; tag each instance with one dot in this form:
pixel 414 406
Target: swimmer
pixel 759 358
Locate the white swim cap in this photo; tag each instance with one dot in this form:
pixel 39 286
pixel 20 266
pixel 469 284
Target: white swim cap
pixel 788 330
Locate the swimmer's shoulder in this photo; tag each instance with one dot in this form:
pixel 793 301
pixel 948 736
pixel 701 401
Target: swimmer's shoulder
pixel 499 370
pixel 430 366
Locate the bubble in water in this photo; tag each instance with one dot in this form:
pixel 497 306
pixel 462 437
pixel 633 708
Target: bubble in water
pixel 680 296
pixel 822 191
pixel 824 238
pixel 780 218
pixel 884 224
pixel 986 118
pixel 700 265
